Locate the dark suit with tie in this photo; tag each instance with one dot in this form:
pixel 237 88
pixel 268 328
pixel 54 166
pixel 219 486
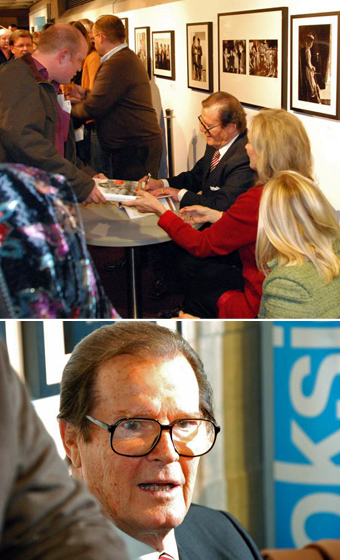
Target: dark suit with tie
pixel 208 534
pixel 203 281
pixel 228 180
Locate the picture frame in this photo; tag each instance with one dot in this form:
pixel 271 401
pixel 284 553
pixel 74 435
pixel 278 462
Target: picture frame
pixel 252 56
pixel 125 21
pixel 200 56
pixel 163 49
pixel 142 47
pixel 47 346
pixel 315 64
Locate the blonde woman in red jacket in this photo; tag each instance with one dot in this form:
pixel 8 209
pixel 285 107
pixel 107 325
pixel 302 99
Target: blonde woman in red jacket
pixel 277 141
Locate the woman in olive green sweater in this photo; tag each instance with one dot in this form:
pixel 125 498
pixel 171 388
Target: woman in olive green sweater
pixel 298 248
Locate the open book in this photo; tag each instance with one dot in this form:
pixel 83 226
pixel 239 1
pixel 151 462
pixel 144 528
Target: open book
pixel 118 190
pixel 133 213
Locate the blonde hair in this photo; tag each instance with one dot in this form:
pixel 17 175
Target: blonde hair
pixel 297 224
pixel 280 142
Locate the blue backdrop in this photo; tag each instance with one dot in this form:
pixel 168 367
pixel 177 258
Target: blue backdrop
pixel 306 431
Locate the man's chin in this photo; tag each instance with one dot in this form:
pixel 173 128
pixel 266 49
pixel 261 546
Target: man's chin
pixel 163 519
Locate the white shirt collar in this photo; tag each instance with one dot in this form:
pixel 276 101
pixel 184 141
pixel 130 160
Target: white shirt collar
pixel 225 148
pixel 138 550
pixel 112 52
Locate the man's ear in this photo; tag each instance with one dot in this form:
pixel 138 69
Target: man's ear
pixel 63 56
pixel 69 436
pixel 232 127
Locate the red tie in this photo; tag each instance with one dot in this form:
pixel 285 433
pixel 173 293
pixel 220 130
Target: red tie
pixel 215 160
pixel 165 556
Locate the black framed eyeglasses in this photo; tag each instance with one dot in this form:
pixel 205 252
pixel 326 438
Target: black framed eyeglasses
pixel 137 437
pixel 206 128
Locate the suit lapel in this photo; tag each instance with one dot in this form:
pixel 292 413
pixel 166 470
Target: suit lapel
pixel 207 161
pixel 209 154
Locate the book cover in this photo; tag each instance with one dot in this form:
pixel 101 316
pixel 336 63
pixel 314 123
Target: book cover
pixel 118 190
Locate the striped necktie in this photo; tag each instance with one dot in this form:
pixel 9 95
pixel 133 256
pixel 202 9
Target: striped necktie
pixel 165 556
pixel 215 160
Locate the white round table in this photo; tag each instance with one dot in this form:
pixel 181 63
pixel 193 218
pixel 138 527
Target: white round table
pixel 106 225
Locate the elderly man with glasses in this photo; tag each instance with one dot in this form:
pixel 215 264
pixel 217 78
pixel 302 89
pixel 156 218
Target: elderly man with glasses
pixel 135 416
pixel 216 180
pixel 223 173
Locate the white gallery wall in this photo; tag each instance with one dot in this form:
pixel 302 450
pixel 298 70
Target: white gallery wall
pixel 185 103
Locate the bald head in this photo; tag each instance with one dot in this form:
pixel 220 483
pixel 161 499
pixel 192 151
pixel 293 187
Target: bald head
pixel 60 36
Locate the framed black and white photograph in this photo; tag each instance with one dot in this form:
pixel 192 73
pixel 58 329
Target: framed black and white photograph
pixel 125 21
pixel 142 46
pixel 315 64
pixel 200 56
pixel 252 56
pixel 163 49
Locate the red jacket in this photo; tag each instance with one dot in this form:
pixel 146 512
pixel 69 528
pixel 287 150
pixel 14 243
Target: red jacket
pixel 237 229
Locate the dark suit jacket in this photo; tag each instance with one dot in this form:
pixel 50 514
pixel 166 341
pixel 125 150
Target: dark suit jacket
pixel 232 175
pixel 228 180
pixel 208 534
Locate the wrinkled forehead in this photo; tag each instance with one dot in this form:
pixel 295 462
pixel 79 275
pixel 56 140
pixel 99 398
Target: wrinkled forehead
pixel 125 378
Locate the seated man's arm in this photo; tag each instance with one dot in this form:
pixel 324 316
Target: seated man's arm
pixel 190 180
pixel 236 178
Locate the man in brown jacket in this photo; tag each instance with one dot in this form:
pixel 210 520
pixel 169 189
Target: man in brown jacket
pixel 121 104
pixel 34 129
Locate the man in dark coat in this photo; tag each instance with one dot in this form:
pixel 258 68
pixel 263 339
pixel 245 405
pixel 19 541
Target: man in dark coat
pixel 35 130
pixel 136 413
pixel 216 180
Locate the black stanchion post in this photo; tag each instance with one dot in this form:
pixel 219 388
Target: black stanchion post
pixel 168 116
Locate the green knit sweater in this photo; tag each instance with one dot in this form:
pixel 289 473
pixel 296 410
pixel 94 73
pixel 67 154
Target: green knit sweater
pixel 299 292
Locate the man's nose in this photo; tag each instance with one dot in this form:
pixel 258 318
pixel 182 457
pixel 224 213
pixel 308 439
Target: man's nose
pixel 164 450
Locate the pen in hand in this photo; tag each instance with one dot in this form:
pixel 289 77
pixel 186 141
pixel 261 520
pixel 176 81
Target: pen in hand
pixel 146 182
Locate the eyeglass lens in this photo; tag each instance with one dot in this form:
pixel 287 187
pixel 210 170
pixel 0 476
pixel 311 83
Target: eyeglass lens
pixel 203 124
pixel 137 437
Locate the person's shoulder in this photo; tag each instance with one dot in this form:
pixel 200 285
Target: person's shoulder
pixel 120 59
pixel 216 531
pixel 237 153
pixel 12 65
pixel 292 282
pixel 197 514
pixel 303 276
pixel 16 73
